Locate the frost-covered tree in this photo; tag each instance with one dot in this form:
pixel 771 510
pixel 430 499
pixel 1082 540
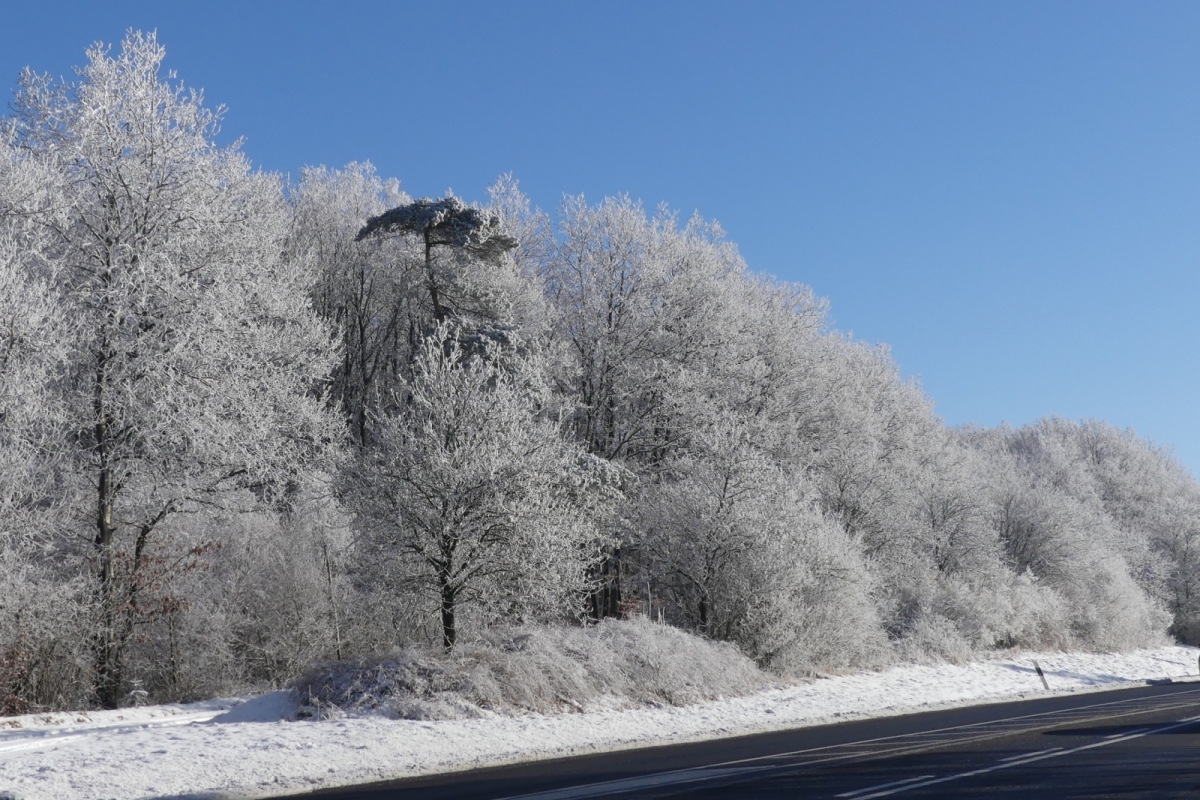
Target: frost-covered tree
pixel 384 277
pixel 369 290
pixel 194 368
pixel 453 236
pixel 41 605
pixel 640 310
pixel 33 348
pixel 1057 536
pixel 636 301
pixel 473 499
pixel 738 552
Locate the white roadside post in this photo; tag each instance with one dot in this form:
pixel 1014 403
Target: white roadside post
pixel 1040 674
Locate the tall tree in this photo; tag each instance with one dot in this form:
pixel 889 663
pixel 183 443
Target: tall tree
pixel 466 233
pixel 195 367
pixel 369 290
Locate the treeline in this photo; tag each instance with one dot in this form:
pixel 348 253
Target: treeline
pixel 247 424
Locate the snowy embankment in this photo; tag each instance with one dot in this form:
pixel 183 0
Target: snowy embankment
pixel 250 749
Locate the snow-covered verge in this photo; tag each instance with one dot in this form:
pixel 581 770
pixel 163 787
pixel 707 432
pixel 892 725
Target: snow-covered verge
pixel 250 748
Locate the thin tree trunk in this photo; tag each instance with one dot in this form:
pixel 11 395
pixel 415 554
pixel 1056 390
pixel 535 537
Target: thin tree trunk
pixel 448 598
pixel 606 596
pixel 439 313
pixel 337 628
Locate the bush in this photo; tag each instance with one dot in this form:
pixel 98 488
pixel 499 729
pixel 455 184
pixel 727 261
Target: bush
pixel 540 669
pixel 45 659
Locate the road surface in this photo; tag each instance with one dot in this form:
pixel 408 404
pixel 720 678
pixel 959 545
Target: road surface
pixel 1139 742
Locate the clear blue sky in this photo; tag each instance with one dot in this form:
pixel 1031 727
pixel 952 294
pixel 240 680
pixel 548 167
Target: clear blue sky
pixel 1007 193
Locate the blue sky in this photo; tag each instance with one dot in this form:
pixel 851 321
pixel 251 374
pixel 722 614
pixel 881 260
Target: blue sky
pixel 1006 193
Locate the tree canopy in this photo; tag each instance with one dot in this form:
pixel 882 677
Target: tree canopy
pixel 246 425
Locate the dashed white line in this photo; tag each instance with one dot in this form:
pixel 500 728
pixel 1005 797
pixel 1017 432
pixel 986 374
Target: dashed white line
pixel 858 792
pixel 1031 755
pixel 1125 733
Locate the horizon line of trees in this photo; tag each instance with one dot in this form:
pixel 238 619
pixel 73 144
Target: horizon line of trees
pixel 248 424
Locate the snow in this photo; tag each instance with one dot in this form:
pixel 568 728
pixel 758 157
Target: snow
pixel 252 748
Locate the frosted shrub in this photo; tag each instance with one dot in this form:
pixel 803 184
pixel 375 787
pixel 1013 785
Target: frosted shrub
pixel 539 669
pixel 1041 617
pixel 739 553
pixel 812 609
pixel 977 608
pixel 44 653
pixel 1036 616
pixel 932 638
pixel 1110 611
pixel 1000 610
pixel 285 598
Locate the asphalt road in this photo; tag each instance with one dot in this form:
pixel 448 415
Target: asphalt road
pixel 1132 743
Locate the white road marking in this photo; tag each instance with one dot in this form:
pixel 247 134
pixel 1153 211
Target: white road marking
pixel 1125 733
pixel 1031 755
pixel 1004 765
pixel 633 784
pixel 891 745
pixel 990 729
pixel 857 792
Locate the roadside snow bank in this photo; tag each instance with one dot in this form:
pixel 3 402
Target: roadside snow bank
pixel 132 753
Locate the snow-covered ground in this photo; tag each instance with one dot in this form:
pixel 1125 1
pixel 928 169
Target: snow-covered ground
pixel 248 748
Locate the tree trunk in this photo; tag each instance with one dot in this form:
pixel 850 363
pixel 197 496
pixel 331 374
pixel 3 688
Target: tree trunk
pixel 606 597
pixel 439 313
pixel 108 645
pixel 448 597
pixel 333 604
